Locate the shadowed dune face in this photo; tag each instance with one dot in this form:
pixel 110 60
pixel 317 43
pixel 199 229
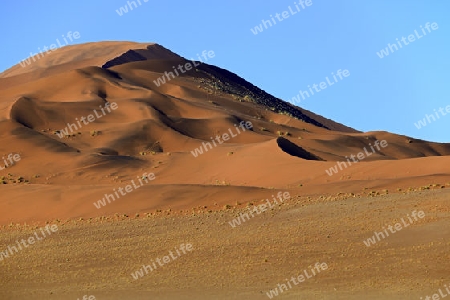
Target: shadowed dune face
pixel 25 112
pixel 55 115
pixel 294 150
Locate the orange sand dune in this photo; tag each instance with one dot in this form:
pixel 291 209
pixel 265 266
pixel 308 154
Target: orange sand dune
pixel 128 167
pixel 157 128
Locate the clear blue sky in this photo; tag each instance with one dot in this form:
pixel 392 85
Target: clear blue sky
pixel 389 94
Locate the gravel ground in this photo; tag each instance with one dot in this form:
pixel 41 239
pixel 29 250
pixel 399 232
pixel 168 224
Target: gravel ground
pixel 97 257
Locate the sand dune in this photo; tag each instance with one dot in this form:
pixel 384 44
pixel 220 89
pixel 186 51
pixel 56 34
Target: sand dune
pixel 159 127
pixel 190 132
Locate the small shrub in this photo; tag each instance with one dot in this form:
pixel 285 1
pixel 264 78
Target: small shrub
pixel 248 98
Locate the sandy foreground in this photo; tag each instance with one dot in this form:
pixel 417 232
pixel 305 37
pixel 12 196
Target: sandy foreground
pixel 98 256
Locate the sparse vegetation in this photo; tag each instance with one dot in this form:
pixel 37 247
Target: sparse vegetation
pixel 248 98
pixel 223 182
pixel 281 133
pixel 286 113
pixel 12 179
